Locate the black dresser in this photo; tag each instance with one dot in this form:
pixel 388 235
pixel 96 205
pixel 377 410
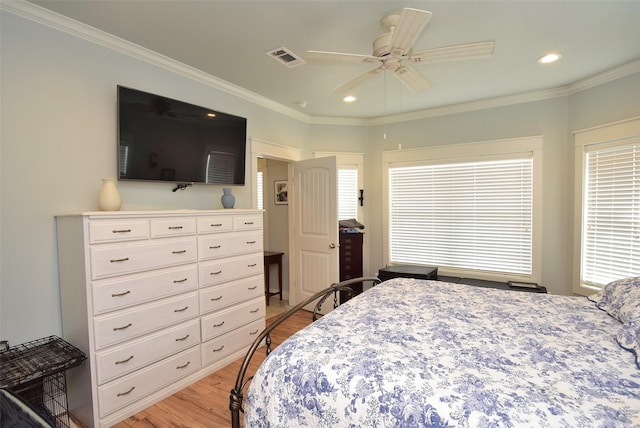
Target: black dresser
pixel 350 261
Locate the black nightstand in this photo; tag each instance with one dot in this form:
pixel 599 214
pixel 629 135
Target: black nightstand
pixel 408 271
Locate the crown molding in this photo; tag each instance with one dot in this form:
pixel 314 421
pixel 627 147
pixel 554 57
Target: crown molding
pixel 70 26
pixel 610 75
pixel 93 35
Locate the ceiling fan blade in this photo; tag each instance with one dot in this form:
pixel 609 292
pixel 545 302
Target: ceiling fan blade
pixel 337 57
pixel 412 79
pixel 346 87
pixel 478 50
pixel 410 25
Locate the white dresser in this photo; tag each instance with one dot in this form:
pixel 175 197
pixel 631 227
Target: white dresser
pixel 157 300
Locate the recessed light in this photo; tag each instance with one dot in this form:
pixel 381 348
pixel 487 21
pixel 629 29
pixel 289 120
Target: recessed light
pixel 549 58
pixel 349 99
pixel 211 114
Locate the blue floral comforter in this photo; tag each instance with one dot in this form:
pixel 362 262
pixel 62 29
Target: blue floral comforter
pixel 411 353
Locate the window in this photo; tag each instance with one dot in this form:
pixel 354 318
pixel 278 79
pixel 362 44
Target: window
pixel 260 190
pixel 475 215
pixel 469 209
pixel 350 181
pixel 611 248
pixel 607 210
pixel 347 193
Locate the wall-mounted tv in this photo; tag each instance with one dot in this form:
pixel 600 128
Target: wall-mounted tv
pixel 161 139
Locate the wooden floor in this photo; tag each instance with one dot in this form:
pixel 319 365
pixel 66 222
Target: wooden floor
pixel 205 404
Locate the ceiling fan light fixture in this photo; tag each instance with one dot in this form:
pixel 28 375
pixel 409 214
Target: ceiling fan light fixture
pixel 349 99
pixel 549 58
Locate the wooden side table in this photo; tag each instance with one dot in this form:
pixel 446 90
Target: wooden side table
pixel 272 258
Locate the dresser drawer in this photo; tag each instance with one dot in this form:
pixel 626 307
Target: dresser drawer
pixel 121 360
pixel 228 244
pixel 226 320
pixel 110 294
pixel 165 227
pixel 129 323
pixel 228 343
pixel 247 222
pixel 218 271
pixel 215 224
pixel 117 230
pixel 227 294
pixel 131 388
pixel 117 259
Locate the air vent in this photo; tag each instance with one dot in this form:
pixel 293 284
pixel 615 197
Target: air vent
pixel 286 57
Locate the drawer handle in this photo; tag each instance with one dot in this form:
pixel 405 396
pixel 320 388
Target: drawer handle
pixel 255 311
pixel 184 365
pixel 125 361
pixel 219 325
pixel 121 294
pixel 215 247
pixel 216 225
pixel 253 288
pixel 253 333
pixel 120 394
pixel 251 242
pixel 119 260
pixel 179 252
pixel 175 227
pixel 180 339
pixel 219 349
pixel 122 328
pixel 253 265
pixel 213 299
pixel 177 281
pixel 121 231
pixel 216 273
pixel 248 222
pixel 181 310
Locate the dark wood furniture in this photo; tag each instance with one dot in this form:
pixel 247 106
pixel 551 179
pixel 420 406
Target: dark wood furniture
pixel 493 284
pixel 350 261
pixel 408 271
pixel 272 258
pixel 431 272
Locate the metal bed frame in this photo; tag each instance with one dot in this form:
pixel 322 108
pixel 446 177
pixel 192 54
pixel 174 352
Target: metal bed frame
pixel 236 397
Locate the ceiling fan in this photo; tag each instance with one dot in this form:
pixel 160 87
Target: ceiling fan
pixel 393 51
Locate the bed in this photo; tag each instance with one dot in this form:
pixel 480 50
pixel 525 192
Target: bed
pixel 415 353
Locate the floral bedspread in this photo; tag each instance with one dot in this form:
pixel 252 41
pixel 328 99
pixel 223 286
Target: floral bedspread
pixel 412 353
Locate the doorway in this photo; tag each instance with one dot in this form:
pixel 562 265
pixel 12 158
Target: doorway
pixel 273 161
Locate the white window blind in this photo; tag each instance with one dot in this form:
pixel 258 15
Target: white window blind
pixel 347 194
pixel 260 191
pixel 611 235
pixel 471 216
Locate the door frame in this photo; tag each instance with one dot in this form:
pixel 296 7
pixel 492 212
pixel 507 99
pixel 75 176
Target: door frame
pixel 265 149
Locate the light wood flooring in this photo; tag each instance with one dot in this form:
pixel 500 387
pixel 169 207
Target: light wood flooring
pixel 205 404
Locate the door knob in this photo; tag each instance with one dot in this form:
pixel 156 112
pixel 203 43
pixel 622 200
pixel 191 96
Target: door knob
pixel 332 246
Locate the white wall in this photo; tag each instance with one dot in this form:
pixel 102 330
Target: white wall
pixel 58 138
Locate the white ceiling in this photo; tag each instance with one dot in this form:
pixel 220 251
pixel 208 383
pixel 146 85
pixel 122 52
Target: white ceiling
pixel 228 39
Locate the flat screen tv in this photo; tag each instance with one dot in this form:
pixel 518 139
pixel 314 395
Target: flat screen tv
pixel 160 139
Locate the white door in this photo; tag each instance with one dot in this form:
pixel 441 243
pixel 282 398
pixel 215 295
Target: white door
pixel 314 228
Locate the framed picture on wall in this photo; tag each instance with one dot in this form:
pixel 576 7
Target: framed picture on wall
pixel 281 195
